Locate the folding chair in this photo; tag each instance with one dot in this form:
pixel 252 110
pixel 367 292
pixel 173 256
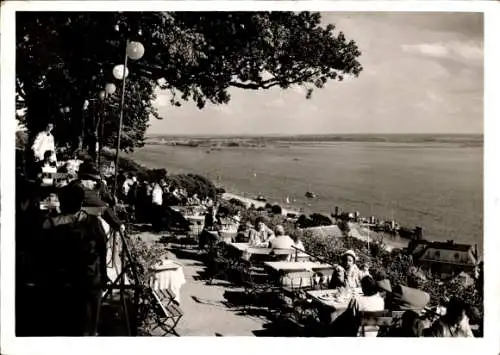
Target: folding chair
pixel 294 290
pixel 219 263
pixel 166 316
pixel 256 282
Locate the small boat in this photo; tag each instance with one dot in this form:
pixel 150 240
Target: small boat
pixel 310 194
pixel 261 198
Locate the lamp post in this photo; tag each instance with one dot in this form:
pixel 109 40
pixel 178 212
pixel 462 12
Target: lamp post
pixel 103 95
pixel 134 51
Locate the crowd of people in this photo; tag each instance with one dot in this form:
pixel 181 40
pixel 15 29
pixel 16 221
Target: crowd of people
pixel 63 248
pixel 65 214
pixel 379 295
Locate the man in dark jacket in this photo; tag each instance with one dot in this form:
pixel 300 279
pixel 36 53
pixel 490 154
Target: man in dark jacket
pixel 96 194
pixel 73 271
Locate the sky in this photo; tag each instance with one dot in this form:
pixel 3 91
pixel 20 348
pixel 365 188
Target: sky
pixel 423 73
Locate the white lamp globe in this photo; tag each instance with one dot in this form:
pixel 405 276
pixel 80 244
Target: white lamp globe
pixel 110 88
pixel 135 50
pixel 120 72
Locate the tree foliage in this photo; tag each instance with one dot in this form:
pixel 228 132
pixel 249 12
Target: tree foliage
pixel 65 58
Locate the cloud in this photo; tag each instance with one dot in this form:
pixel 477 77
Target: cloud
pixel 470 51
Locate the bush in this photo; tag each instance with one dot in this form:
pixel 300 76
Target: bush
pixel 238 203
pixel 276 209
pixel 320 220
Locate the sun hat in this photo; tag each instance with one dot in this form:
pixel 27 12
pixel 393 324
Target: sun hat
pixel 350 253
pixel 407 298
pixel 385 285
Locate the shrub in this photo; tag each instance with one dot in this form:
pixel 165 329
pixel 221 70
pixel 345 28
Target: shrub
pixel 320 220
pixel 238 203
pixel 276 209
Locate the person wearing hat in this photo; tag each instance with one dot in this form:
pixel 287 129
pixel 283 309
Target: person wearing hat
pixel 352 274
pixel 96 194
pixel 405 298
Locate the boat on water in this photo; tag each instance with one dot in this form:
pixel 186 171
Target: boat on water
pixel 310 194
pixel 261 198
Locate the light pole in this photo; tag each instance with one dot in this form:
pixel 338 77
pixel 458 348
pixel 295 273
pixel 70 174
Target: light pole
pixel 109 90
pixel 134 51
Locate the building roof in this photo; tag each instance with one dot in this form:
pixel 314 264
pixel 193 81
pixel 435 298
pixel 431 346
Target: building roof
pixel 449 246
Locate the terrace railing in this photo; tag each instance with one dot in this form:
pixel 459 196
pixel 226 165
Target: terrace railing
pixel 122 270
pixel 315 256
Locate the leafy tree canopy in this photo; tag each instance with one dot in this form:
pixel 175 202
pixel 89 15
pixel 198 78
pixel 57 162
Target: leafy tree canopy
pixel 64 59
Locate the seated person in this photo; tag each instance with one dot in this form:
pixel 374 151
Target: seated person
pixel 298 254
pixel 47 167
pixel 405 298
pixel 411 326
pixel 454 324
pixel 297 243
pixel 243 234
pixel 72 165
pixel 261 234
pixel 281 240
pixel 365 270
pixel 195 200
pixel 237 217
pixel 369 301
pixel 347 274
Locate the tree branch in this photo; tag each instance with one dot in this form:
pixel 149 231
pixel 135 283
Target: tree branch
pixel 272 82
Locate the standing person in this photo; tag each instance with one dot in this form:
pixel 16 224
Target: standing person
pixel 96 194
pixel 131 179
pixel 44 141
pixel 74 268
pixel 157 206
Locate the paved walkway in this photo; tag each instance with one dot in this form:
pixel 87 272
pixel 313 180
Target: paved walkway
pixel 205 313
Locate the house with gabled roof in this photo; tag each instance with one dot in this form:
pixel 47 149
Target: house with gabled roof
pixel 444 258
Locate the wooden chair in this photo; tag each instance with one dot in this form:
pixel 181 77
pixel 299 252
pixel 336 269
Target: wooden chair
pixel 166 316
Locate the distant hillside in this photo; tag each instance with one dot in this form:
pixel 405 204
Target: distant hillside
pixel 463 139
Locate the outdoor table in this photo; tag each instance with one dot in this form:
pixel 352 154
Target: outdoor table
pixel 256 255
pixel 330 308
pixel 168 275
pixel 293 272
pixel 245 248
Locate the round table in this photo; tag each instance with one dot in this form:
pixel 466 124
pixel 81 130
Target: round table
pixel 168 276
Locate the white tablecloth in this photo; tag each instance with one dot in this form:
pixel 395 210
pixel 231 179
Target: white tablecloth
pixel 169 275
